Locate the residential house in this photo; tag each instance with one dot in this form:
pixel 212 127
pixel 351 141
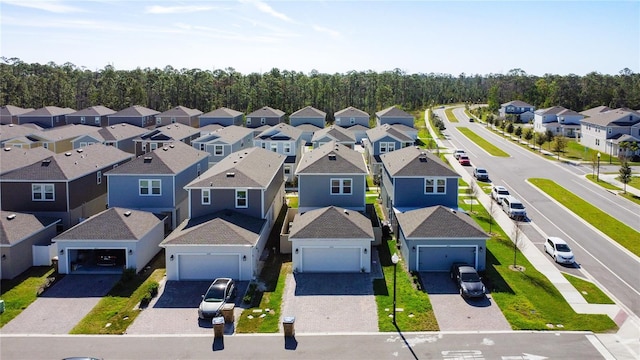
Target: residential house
pixel 160 136
pixel 20 234
pixel 10 132
pixel 135 115
pixel 393 115
pixel 333 133
pixel 121 136
pixel 222 116
pixel 264 116
pixel 69 186
pixel 283 139
pixel 595 111
pixel 208 129
pixel 46 117
pixel 414 178
pixel 130 237
pixel 381 140
pixel 223 142
pixel 15 158
pixel 308 131
pixel 60 139
pixel 559 120
pixel 522 111
pixel 606 130
pixel 233 207
pixel 332 175
pixel 94 115
pixel 9 114
pixel 179 115
pixel 155 181
pixel 433 238
pixel 356 120
pixel 308 115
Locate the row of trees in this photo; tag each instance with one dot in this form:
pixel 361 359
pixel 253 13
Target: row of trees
pixel 36 85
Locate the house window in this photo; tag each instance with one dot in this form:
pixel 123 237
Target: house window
pixel 149 187
pixel 99 177
pixel 248 121
pixel 83 120
pixel 287 170
pixel 83 144
pixel 144 147
pixel 597 142
pixel 263 121
pixel 45 145
pixel 264 145
pixel 202 147
pixel 386 147
pixel 206 197
pixel 435 186
pixel 97 120
pixel 340 186
pixel 352 121
pixel 274 147
pixel 173 120
pixel 609 130
pixel 153 146
pixel 287 148
pixel 241 198
pixel 158 120
pixel 218 150
pixel 198 170
pixel 42 192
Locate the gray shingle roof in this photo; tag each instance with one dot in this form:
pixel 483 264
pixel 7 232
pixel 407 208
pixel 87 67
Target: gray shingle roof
pixel 308 112
pixel 248 168
pixel 334 132
pixel 170 159
pixel 413 161
pixel 135 111
pixel 113 224
pixel 393 111
pixel 49 111
pixel 65 132
pixel 379 132
pixel 308 127
pixel 266 112
pixel 14 158
pixel 222 112
pixel 98 110
pixel 517 103
pixel 10 131
pixel 10 110
pixel 619 117
pixel 596 110
pixel 225 227
pixel 331 223
pixel 332 158
pixel 438 222
pixel 180 111
pixel 71 165
pixel 227 134
pixel 14 229
pixel 121 131
pixel 280 132
pixel 178 131
pixel 351 112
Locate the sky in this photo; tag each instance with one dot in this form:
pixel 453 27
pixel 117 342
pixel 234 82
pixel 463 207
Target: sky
pixel 331 36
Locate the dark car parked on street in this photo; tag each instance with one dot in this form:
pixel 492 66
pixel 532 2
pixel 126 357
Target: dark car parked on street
pixel 468 280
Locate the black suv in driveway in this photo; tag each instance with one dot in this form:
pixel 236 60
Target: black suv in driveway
pixel 468 280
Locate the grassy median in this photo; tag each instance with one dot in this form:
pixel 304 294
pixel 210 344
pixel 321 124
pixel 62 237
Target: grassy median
pixel 590 291
pixel 482 142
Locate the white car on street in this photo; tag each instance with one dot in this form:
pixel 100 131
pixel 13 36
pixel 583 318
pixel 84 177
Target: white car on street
pixel 498 193
pixel 559 250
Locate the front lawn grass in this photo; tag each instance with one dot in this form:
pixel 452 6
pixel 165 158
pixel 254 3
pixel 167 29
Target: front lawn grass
pixel 590 291
pixel 417 313
pixel 618 231
pixel 20 292
pixel 118 307
pixel 482 142
pixel 268 295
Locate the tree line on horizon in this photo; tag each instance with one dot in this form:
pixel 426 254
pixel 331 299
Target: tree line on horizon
pixel 33 85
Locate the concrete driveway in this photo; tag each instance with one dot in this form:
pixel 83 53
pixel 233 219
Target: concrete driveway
pixel 454 313
pixel 175 310
pixel 62 306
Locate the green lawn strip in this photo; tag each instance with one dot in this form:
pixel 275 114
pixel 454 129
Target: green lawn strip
pixel 618 231
pixel 480 141
pixel 119 306
pixel 273 279
pixel 292 201
pixel 635 182
pixel 627 195
pixel 602 183
pixel 448 112
pixel 416 312
pixel 528 300
pixel 20 292
pixel 590 291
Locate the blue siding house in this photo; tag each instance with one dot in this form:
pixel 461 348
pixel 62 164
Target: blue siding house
pixel 392 115
pixel 223 142
pixel 155 182
pixel 381 140
pixel 333 133
pixel 283 139
pixel 308 115
pixel 222 116
pixel 264 116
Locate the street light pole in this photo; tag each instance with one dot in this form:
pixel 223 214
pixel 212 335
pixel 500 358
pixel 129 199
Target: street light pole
pixel 598 176
pixel 394 260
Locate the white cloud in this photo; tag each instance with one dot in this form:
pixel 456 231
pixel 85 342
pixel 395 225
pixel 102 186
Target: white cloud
pixel 265 8
pixel 50 6
pixel 325 30
pixel 157 9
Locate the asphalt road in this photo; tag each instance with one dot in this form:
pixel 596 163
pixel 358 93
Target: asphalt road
pixel 473 346
pixel 604 261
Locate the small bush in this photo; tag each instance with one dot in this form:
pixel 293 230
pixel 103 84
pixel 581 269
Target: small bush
pixel 146 299
pixel 153 289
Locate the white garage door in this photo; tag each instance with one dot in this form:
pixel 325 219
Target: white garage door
pixel 336 259
pixel 440 258
pixel 208 267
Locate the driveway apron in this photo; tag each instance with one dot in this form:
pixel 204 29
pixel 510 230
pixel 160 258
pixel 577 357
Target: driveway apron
pixel 62 306
pixel 454 313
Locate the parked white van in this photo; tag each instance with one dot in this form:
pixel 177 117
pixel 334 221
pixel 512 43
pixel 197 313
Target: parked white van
pixel 514 208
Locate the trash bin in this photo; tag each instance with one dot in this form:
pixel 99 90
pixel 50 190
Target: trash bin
pixel 54 262
pixel 227 313
pixel 218 326
pixel 287 325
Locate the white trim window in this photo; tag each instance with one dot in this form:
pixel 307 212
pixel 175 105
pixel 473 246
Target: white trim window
pixel 173 120
pixel 248 121
pixel 352 121
pixel 153 146
pixel 435 186
pixel 149 187
pixel 386 147
pixel 42 192
pixel 263 121
pixel 241 199
pixel 287 147
pixel 83 120
pixel 206 196
pixel 99 177
pixel 218 150
pixel 341 187
pixel 144 147
pixel 274 146
pixel 158 120
pixel 97 120
pixel 287 170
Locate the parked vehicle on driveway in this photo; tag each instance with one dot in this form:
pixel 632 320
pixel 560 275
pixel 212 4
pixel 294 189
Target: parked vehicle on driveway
pixel 464 160
pixel 221 291
pixel 480 174
pixel 107 257
pixel 514 208
pixel 498 193
pixel 458 152
pixel 559 250
pixel 467 279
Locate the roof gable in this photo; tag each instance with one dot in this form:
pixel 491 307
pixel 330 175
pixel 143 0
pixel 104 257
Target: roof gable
pixel 170 159
pixel 350 112
pixel 135 111
pixel 230 228
pixel 180 111
pixel 222 112
pixel 266 111
pixel 412 161
pixel 10 110
pixel 48 111
pixel 334 132
pixel 393 111
pixel 427 223
pixel 332 158
pixel 280 132
pixel 98 110
pixel 331 223
pixel 113 224
pixel 16 226
pixel 308 112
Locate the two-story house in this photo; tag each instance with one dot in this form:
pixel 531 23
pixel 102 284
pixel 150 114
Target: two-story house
pixel 223 142
pixel 94 116
pixel 283 139
pixel 179 115
pixel 9 114
pixel 559 120
pixel 381 140
pixel 121 136
pixel 46 117
pixel 135 115
pixel 155 181
pixel 522 111
pixel 605 131
pixel 394 115
pixel 333 133
pixel 222 116
pixel 233 207
pixel 69 186
pixel 356 120
pixel 160 136
pixel 12 135
pixel 60 139
pixel 265 116
pixel 308 120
